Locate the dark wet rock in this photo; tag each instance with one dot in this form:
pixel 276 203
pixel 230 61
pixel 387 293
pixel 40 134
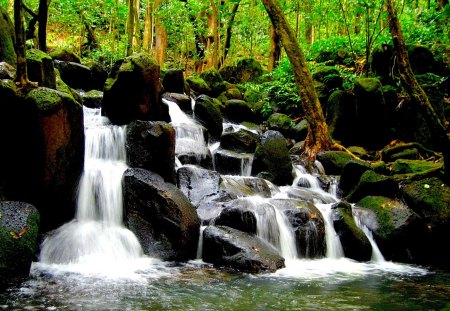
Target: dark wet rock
pixel 333 161
pixel 240 141
pixel 280 122
pixel 142 137
pixel 399 232
pixel 230 162
pixel 65 55
pixel 246 186
pixel 237 217
pixel 7 71
pixel 414 167
pixel 40 68
pixel 98 75
pixel 334 57
pixel 300 130
pixel 351 174
pixel 173 81
pixel 209 115
pixel 75 75
pixel 198 85
pixel 133 91
pixel 238 111
pixel 237 250
pixel 245 70
pixel 215 81
pixel 373 184
pixel 182 100
pixel 7 39
pixel 19 232
pixel 340 114
pixel 353 240
pixel 272 156
pixel 160 215
pixel 92 99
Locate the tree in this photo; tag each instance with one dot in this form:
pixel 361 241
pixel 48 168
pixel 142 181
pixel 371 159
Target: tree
pixel 130 26
pixel 413 89
pixel 21 74
pixel 318 137
pixel 42 20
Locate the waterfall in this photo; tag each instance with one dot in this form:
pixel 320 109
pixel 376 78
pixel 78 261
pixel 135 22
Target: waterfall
pixel 377 256
pixel 97 232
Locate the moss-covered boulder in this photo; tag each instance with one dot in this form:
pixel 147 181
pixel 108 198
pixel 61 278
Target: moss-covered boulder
pixel 19 232
pixel 340 115
pixel 75 75
pixel 351 174
pixel 215 81
pixel 381 62
pixel 335 57
pixel 414 167
pixel 238 111
pixel 92 99
pixel 371 183
pixel 142 137
pixel 333 161
pixel 209 115
pixel 164 221
pixel 272 156
pixel 133 91
pixel 421 59
pixel 40 68
pixel 399 232
pixel 371 132
pixel 7 39
pixel 240 141
pixel 299 131
pixel 280 122
pixel 249 70
pixel 198 85
pixel 353 240
pixel 65 55
pixel 233 249
pixel 173 81
pixel 98 74
pixel 231 162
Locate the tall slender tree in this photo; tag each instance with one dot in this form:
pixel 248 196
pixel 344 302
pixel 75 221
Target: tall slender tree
pixel 21 74
pixel 413 89
pixel 42 20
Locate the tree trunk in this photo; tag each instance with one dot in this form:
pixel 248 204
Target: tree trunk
pixel 212 43
pixel 318 137
pixel 440 4
pixel 160 39
pixel 228 33
pixel 42 19
pixel 413 88
pixel 309 29
pixel 137 29
pixel 21 73
pixel 130 27
pixel 148 27
pixel 275 50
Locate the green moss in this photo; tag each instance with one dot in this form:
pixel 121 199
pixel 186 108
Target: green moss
pixel 370 85
pixel 37 55
pixel 350 222
pixel 252 96
pixel 380 205
pixel 197 83
pixel 403 166
pixel 320 73
pixel 46 100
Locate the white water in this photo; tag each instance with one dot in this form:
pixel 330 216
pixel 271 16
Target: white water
pixel 96 236
pixel 377 256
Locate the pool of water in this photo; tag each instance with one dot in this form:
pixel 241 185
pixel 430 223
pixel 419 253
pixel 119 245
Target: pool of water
pixel 148 284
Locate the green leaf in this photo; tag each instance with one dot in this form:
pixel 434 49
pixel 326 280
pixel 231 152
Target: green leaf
pixel 426 186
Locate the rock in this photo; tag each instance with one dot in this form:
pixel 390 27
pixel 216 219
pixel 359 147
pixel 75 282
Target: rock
pixel 272 156
pixel 7 39
pixel 238 111
pixel 182 100
pixel 232 92
pixel 421 59
pixel 92 99
pixel 230 162
pixel 209 115
pixel 173 81
pixel 133 91
pixel 373 184
pixel 335 57
pixel 75 75
pixel 353 240
pixel 333 161
pixel 65 55
pixel 329 77
pixel 231 248
pixel 142 137
pixel 40 68
pixel 300 130
pixel 237 218
pixel 245 186
pixel 198 184
pixel 240 141
pixel 164 221
pixel 7 71
pixel 213 78
pixel 370 111
pixel 98 75
pixel 351 174
pixel 340 114
pixel 400 233
pixel 413 167
pixel 281 123
pixel 19 232
pixel 381 62
pixel 248 70
pixel 229 73
pixel 198 85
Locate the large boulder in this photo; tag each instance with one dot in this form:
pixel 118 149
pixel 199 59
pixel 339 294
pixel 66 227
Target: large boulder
pixel 351 173
pixel 231 162
pixel 92 99
pixel 371 183
pixel 340 114
pixel 213 78
pixel 354 242
pixel 42 155
pixel 430 198
pixel 98 74
pixel 7 39
pixel 40 68
pixel 280 122
pixel 237 217
pixel 19 232
pixel 399 232
pixel 142 137
pixel 75 75
pixel 248 70
pixel 234 249
pixel 7 71
pixel 65 55
pixel 240 141
pixel 133 91
pixel 333 161
pixel 173 81
pixel 272 156
pixel 209 115
pixel 182 100
pixel 198 85
pixel 164 221
pixel 238 110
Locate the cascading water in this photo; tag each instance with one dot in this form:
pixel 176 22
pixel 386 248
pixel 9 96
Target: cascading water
pixel 97 233
pixel 376 253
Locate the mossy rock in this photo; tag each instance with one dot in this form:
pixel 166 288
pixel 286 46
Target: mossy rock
pixel 353 240
pixel 238 110
pixel 321 73
pixel 280 122
pixel 198 85
pixel 248 70
pixel 7 71
pixel 252 96
pixel 66 55
pixel 240 141
pixel 373 184
pixel 404 166
pixel 410 151
pixel 334 161
pixel 93 99
pixel 214 80
pixel 7 39
pixel 351 174
pixel 19 231
pixel 209 115
pixel 340 114
pixel 40 68
pixel 300 130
